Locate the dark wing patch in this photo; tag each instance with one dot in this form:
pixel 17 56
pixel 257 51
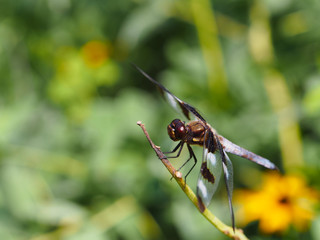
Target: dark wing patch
pixel 206 173
pixel 193 111
pixel 210 173
pixel 184 110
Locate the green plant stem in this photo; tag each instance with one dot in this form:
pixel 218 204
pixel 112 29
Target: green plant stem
pixel 225 229
pixel 276 86
pixel 205 23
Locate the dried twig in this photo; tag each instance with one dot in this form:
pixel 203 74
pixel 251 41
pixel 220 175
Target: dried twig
pixel 227 230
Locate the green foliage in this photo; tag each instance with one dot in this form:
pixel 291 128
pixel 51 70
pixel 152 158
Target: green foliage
pixel 74 165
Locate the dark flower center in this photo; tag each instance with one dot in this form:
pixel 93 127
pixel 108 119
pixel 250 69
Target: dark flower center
pixel 284 200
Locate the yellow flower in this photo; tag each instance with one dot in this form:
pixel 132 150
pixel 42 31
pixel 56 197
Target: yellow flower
pixel 95 53
pixel 282 201
pixel 78 75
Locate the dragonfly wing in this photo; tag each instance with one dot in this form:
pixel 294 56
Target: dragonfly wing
pixel 179 105
pixel 210 172
pixel 230 147
pixel 228 177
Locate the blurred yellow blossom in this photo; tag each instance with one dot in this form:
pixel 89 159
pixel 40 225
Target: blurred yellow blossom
pixel 94 53
pixel 78 75
pixel 282 201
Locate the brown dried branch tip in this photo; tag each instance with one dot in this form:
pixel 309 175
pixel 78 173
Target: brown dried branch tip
pixel 227 230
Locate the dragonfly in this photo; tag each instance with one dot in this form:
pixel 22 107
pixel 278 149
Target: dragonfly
pixel 215 160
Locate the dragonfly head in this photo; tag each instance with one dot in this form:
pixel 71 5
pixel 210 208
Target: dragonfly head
pixel 177 130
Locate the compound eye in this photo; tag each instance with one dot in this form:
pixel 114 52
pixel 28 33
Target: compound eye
pixel 179 128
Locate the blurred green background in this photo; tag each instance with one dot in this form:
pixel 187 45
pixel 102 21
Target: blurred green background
pixel 74 164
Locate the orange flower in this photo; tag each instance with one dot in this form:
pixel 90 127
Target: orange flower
pixel 94 53
pixel 282 201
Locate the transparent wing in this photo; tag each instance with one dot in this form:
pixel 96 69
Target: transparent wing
pixel 210 172
pixel 228 177
pixel 230 147
pixel 228 172
pixel 179 105
pixel 215 161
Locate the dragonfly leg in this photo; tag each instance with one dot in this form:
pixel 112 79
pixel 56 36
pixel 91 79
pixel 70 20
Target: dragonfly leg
pixel 180 146
pixel 192 155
